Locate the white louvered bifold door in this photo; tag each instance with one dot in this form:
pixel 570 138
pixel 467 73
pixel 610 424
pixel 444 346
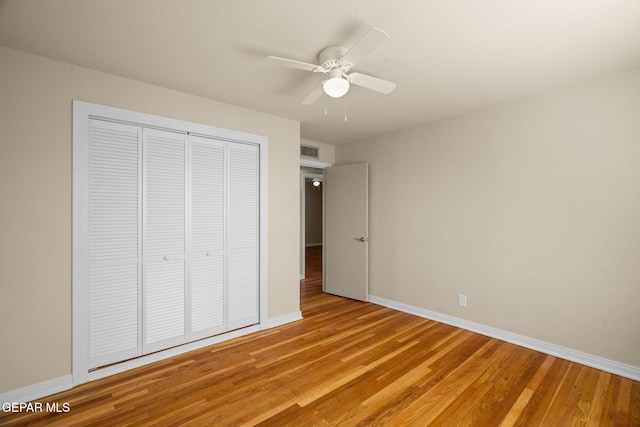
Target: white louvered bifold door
pixel 207 238
pixel 242 235
pixel 164 239
pixel 114 242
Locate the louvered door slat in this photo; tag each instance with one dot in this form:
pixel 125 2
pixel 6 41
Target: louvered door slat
pixel 164 239
pixel 242 235
pixel 164 193
pixel 114 222
pixel 164 304
pixel 207 237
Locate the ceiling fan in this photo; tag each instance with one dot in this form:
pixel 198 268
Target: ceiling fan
pixel 337 61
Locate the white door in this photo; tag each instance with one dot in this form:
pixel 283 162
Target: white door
pixel 346 244
pixel 207 257
pixel 113 218
pixel 164 247
pixel 243 231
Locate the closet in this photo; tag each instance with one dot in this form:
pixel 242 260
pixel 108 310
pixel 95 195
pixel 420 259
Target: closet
pixel 171 227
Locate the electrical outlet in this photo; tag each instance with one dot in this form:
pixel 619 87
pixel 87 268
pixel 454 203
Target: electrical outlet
pixel 462 300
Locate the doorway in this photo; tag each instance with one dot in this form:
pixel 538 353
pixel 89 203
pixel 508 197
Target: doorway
pixel 311 210
pixel 345 221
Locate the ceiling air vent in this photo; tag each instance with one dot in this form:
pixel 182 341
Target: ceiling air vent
pixel 308 151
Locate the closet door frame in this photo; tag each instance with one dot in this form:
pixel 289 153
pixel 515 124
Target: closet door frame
pixel 82 113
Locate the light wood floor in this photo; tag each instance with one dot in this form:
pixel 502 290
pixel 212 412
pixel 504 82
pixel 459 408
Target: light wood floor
pixel 352 363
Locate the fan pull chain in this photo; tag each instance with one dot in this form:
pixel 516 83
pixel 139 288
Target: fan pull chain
pixel 345 107
pixel 325 104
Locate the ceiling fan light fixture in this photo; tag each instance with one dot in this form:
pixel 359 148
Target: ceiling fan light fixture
pixel 337 86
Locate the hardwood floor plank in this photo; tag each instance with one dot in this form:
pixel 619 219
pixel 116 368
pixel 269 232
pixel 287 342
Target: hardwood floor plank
pixel 401 384
pixel 622 406
pixel 335 383
pixel 634 404
pixel 569 402
pixel 496 391
pixel 526 394
pixel 517 408
pixel 544 394
pixel 350 363
pixel 437 398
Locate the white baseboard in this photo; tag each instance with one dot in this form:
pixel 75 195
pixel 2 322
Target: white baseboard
pixel 284 319
pixel 607 365
pixel 38 390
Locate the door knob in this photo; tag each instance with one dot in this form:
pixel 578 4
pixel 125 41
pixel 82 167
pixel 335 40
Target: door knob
pixel 361 239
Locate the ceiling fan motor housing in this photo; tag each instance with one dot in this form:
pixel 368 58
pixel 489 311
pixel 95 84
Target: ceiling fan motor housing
pixel 330 59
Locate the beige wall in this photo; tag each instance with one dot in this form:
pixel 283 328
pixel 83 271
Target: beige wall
pixel 313 215
pixel 35 194
pixel 531 209
pixel 326 152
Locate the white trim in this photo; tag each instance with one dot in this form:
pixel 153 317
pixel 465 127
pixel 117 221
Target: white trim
pixel 607 365
pixel 80 249
pixel 82 112
pixel 166 123
pixel 314 164
pixel 284 319
pixel 264 234
pixel 37 390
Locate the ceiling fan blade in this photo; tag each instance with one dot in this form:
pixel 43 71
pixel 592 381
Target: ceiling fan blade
pixel 293 63
pixel 370 82
pixel 367 44
pixel 313 96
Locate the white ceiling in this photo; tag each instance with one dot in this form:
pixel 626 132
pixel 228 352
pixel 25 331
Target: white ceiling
pixel 447 56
